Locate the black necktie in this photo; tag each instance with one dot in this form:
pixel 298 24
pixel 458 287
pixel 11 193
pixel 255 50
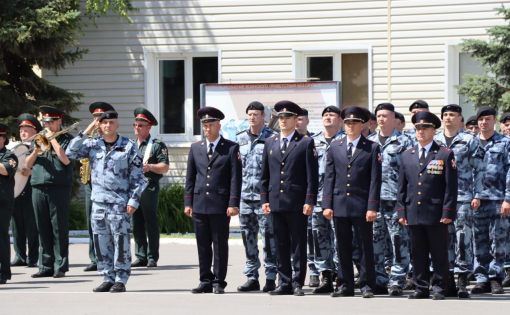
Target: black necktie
pixel 210 152
pixel 349 151
pixel 422 157
pixel 284 146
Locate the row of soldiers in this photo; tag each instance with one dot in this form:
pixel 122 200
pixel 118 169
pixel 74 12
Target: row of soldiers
pixel 471 155
pixel 119 175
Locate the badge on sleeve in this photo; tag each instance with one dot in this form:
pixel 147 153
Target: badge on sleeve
pixel 13 163
pixel 454 164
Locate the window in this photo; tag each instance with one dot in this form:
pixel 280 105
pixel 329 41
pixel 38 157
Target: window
pixel 173 92
pixel 349 65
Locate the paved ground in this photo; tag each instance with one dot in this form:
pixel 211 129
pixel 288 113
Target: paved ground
pixel 166 290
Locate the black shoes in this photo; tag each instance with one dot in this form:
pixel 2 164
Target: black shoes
pixel 59 274
pixel 282 291
pixel 103 287
pixel 298 291
pixel 342 291
pixel 91 267
pixel 417 295
pixel 202 288
pixel 18 263
pixel 409 284
pixel 462 283
pixel 314 281
pixel 3 280
pixel 118 287
pixel 43 274
pixel 451 290
pixel 152 263
pixel 481 287
pixel 506 281
pixel 380 290
pixel 326 285
pixel 367 293
pixel 269 286
pixel 250 285
pixel 217 289
pixel 437 296
pixel 496 287
pixel 139 263
pixel 395 290
pixel 32 265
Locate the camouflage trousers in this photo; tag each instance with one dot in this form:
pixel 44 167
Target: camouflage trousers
pixel 490 231
pixel 310 257
pixel 323 242
pixel 507 257
pixel 386 225
pixel 460 238
pixel 111 226
pixel 253 223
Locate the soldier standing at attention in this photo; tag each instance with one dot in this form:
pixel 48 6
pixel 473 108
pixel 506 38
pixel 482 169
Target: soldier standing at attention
pixel 251 217
pixel 211 197
pixel 52 177
pixel 8 166
pixel 24 229
pixel 400 122
pixel 504 124
pixel 351 193
pixel 288 193
pixel 392 144
pixel 491 203
pixel 322 228
pixel 460 250
pixel 416 107
pixel 426 202
pixel 117 184
pixel 472 125
pixel 96 109
pixel 155 164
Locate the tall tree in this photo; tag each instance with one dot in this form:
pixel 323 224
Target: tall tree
pixel 492 88
pixel 44 34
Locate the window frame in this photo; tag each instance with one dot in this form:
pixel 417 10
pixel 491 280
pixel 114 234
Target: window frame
pixel 152 98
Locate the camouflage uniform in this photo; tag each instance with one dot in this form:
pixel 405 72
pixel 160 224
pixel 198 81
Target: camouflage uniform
pixel 117 181
pixel 492 186
pixel 387 218
pixel 251 217
pixel 460 248
pixel 322 228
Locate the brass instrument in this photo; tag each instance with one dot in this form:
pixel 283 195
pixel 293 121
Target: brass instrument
pixel 43 143
pixel 85 171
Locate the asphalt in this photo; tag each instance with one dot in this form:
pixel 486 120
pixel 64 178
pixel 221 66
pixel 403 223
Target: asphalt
pixel 165 290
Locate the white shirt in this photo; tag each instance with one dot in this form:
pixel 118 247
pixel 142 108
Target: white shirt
pixel 427 149
pixel 354 144
pixel 289 137
pixel 215 143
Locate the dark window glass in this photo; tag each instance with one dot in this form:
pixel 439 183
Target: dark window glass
pixel 172 96
pixel 205 70
pixel 320 68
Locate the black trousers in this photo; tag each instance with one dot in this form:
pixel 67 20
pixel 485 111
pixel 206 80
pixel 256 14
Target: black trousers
pixel 146 226
pixel 212 231
pixel 6 208
pixel 430 242
pixel 290 237
pixel 345 230
pixel 24 229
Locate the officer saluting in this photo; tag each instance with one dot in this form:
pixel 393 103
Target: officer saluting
pixel 212 196
pixel 288 192
pixel 426 201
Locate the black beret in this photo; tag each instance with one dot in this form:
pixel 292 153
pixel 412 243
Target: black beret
pixel 400 117
pixel 209 113
pixel 355 113
pixel 485 111
pixel 287 108
pixel 331 109
pixel 304 112
pixel 427 119
pixel 110 114
pixel 144 114
pixel 255 105
pixel 451 108
pixel 97 108
pixel 3 129
pixel 50 113
pixel 471 121
pixel 418 104
pixel 29 120
pixel 504 117
pixel 385 106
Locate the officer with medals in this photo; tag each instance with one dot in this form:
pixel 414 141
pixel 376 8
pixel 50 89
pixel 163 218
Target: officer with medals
pixel 52 176
pixel 155 164
pixel 8 166
pixel 96 109
pixel 211 197
pixel 426 202
pixel 288 193
pixel 251 218
pixel 24 228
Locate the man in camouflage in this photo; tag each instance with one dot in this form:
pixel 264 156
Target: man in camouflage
pixel 504 124
pixel 117 184
pixel 392 144
pixel 251 216
pixel 491 203
pixel 460 246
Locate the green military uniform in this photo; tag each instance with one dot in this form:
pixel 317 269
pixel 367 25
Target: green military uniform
pixel 145 219
pixel 10 162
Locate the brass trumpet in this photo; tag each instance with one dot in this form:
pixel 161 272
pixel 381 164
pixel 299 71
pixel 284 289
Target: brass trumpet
pixel 43 143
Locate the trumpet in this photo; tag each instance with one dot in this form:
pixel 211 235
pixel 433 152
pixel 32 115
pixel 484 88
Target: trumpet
pixel 43 143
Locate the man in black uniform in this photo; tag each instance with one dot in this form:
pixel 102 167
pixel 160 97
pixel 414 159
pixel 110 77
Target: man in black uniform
pixel 24 229
pixel 8 166
pixel 352 187
pixel 51 181
pixel 427 201
pixel 289 184
pixel 212 196
pixel 155 164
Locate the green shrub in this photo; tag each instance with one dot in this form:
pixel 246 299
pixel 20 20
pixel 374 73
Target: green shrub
pixel 171 210
pixel 77 218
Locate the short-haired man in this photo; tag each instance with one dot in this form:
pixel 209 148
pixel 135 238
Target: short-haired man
pixel 471 125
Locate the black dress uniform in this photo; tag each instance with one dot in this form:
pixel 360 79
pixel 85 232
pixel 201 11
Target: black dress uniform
pixel 427 193
pixel 212 185
pixel 352 185
pixel 289 181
